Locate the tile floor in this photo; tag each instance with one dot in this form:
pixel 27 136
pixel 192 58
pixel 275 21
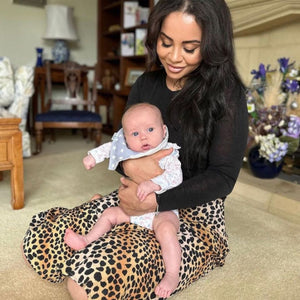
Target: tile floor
pixel 276 196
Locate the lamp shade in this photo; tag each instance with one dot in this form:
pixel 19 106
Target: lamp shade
pixel 60 23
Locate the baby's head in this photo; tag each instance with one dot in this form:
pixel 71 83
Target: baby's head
pixel 143 127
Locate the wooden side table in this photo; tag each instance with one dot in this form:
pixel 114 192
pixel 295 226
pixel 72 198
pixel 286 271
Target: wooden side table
pixel 11 158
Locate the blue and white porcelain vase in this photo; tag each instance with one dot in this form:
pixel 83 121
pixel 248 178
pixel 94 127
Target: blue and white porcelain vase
pixel 60 52
pixel 39 57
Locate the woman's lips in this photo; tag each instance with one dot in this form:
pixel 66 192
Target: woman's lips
pixel 175 69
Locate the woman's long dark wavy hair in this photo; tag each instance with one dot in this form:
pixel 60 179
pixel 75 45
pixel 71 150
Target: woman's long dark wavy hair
pixel 202 100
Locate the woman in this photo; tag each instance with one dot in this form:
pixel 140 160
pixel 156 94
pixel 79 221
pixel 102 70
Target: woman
pixel 202 99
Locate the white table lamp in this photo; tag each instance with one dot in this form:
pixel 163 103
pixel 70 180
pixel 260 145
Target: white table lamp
pixel 60 27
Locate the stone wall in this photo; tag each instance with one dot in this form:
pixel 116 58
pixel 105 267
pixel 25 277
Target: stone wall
pixel 264 31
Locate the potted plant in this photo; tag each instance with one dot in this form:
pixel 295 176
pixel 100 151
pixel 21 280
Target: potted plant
pixel 274 126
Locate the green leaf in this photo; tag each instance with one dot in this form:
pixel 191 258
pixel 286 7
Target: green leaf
pixel 254 115
pixel 293 143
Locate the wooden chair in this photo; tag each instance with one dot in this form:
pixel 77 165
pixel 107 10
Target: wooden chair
pixel 84 117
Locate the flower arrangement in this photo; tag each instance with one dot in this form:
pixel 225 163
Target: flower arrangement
pixel 273 104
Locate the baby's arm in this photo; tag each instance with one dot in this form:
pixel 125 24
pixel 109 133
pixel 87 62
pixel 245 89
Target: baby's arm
pixel 96 155
pixel 171 177
pixel 89 162
pixel 145 188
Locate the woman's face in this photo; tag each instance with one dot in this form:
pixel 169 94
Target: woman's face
pixel 178 46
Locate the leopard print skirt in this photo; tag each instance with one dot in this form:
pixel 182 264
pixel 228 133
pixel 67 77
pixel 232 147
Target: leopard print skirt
pixel 125 263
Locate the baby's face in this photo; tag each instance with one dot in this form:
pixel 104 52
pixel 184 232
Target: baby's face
pixel 143 129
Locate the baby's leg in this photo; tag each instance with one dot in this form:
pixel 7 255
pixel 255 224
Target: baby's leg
pixel 166 226
pixel 109 218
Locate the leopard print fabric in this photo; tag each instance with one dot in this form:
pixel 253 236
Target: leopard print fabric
pixel 125 263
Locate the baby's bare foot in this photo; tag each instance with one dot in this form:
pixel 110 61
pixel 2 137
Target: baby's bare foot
pixel 167 285
pixel 96 196
pixel 74 240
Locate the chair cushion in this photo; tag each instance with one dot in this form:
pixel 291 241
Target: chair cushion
pixel 68 116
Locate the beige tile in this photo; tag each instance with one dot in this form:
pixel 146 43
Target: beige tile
pixel 285 207
pixel 252 196
pixel 276 196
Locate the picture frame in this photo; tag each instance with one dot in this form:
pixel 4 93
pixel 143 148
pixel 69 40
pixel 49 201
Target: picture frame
pixel 127 44
pixel 129 17
pixel 132 75
pixel 39 3
pixel 140 36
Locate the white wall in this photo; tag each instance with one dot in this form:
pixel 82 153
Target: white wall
pixel 22 28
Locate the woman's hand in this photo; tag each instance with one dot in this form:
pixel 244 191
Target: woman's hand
pixel 145 168
pixel 129 201
pixel 139 170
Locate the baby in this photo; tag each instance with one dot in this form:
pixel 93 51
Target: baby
pixel 143 133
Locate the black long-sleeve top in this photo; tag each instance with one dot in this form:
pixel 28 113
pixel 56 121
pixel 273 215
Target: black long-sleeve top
pixel 225 154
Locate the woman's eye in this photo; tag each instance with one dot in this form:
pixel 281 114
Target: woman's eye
pixel 135 133
pixel 189 50
pixel 165 45
pixel 150 129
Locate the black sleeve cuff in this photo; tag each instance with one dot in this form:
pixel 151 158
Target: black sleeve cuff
pixel 157 201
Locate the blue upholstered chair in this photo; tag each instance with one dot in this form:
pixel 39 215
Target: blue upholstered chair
pixel 82 112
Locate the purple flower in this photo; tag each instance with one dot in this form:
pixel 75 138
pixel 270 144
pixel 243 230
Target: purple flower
pixel 271 147
pixel 261 73
pixel 293 129
pixel 294 126
pixel 292 85
pixel 284 64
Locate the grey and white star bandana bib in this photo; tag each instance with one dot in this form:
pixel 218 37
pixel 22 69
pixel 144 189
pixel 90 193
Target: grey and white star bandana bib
pixel 119 150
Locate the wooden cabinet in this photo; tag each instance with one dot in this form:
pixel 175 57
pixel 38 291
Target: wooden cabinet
pixel 110 30
pixel 11 158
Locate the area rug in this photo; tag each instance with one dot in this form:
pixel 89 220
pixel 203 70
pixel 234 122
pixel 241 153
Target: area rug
pixel 264 261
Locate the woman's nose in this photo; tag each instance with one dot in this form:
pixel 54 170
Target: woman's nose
pixel 175 54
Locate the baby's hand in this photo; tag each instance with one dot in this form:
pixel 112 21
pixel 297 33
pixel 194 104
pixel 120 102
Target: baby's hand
pixel 89 162
pixel 145 188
